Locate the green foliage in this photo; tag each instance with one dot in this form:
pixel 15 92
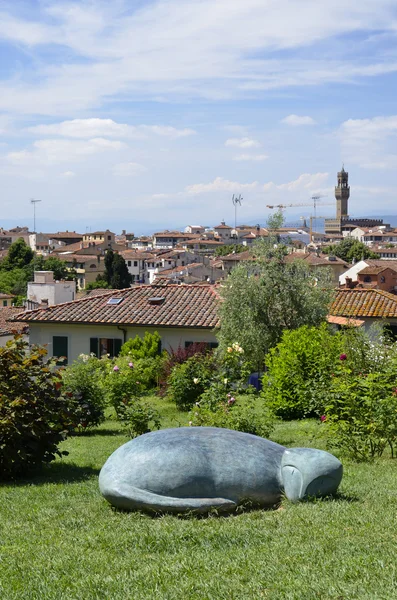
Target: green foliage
pixel 35 414
pixel 116 273
pixel 138 417
pixel 263 297
pixel 361 401
pixel 361 413
pixel 52 263
pixel 148 371
pixel 190 379
pixel 219 407
pixel 83 380
pixel 299 369
pixel 124 389
pixel 19 255
pixel 350 248
pixel 97 284
pixel 138 347
pixel 229 248
pixel 121 384
pixel 14 282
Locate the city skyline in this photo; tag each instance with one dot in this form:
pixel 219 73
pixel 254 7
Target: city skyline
pixel 157 115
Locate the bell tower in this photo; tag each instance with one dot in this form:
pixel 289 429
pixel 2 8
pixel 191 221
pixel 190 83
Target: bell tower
pixel 342 194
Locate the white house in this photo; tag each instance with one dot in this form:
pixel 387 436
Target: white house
pixel 181 314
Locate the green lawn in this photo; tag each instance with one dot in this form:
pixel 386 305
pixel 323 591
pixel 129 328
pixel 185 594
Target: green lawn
pixel 59 540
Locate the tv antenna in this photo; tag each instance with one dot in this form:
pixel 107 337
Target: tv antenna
pixel 236 201
pixel 34 202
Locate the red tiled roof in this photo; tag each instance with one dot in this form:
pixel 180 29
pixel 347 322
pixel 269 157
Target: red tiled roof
pixel 345 321
pixel 364 303
pixel 222 226
pixel 375 270
pixel 7 328
pixel 237 256
pixel 183 306
pixel 4 296
pixel 312 259
pixel 65 235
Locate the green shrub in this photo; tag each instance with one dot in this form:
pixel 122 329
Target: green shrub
pixel 219 408
pixel 190 379
pixel 35 414
pixel 147 371
pixel 361 409
pixel 83 380
pixel 299 370
pixel 146 347
pixel 121 384
pixel 138 417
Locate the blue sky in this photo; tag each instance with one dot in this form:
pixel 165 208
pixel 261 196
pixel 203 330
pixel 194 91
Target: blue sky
pixel 144 115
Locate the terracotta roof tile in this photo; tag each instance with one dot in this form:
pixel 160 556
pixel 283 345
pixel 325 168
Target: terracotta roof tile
pixel 364 303
pixel 7 327
pixel 183 306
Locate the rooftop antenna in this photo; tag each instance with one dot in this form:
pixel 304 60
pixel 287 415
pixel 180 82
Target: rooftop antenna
pixel 34 202
pixel 236 200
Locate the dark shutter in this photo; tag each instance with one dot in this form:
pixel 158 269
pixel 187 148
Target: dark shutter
pixel 94 347
pixel 60 348
pixel 117 347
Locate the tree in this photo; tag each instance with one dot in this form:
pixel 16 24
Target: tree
pixel 350 249
pixel 52 263
pixel 263 297
pixel 116 273
pixel 19 255
pixel 229 248
pixel 98 284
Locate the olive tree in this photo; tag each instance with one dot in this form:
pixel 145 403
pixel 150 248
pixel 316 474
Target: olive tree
pixel 266 295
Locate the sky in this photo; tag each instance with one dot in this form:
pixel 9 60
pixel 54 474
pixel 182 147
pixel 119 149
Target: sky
pixel 143 115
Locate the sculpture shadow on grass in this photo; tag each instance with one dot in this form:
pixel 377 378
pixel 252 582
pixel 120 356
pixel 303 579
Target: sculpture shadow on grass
pixel 57 472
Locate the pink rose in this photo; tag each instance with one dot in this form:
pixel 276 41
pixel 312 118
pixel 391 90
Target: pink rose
pixel 116 368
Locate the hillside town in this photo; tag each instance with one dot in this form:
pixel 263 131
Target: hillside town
pixel 198 256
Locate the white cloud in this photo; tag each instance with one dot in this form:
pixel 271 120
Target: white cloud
pixel 68 174
pixel 219 185
pixel 49 152
pixel 174 49
pixel 165 131
pixel 310 182
pixel 370 143
pixel 296 120
pixel 251 157
pixel 95 127
pixel 128 169
pixel 244 142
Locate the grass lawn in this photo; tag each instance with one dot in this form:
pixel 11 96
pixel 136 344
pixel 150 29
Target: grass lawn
pixel 60 540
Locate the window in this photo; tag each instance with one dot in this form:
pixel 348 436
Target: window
pixel 135 263
pixel 367 279
pixel 109 237
pixel 210 345
pixel 382 279
pixel 60 348
pixel 4 302
pixel 102 346
pixel 92 266
pixel 129 263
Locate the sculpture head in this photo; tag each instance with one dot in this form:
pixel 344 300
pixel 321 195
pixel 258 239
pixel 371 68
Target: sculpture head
pixel 307 472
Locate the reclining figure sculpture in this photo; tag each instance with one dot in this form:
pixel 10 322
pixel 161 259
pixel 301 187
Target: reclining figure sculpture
pixel 201 468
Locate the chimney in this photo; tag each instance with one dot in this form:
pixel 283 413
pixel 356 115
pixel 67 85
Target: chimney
pixel 349 283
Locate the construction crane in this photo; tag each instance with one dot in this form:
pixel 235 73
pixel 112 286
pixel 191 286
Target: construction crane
pixel 282 206
pixel 314 199
pixel 311 219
